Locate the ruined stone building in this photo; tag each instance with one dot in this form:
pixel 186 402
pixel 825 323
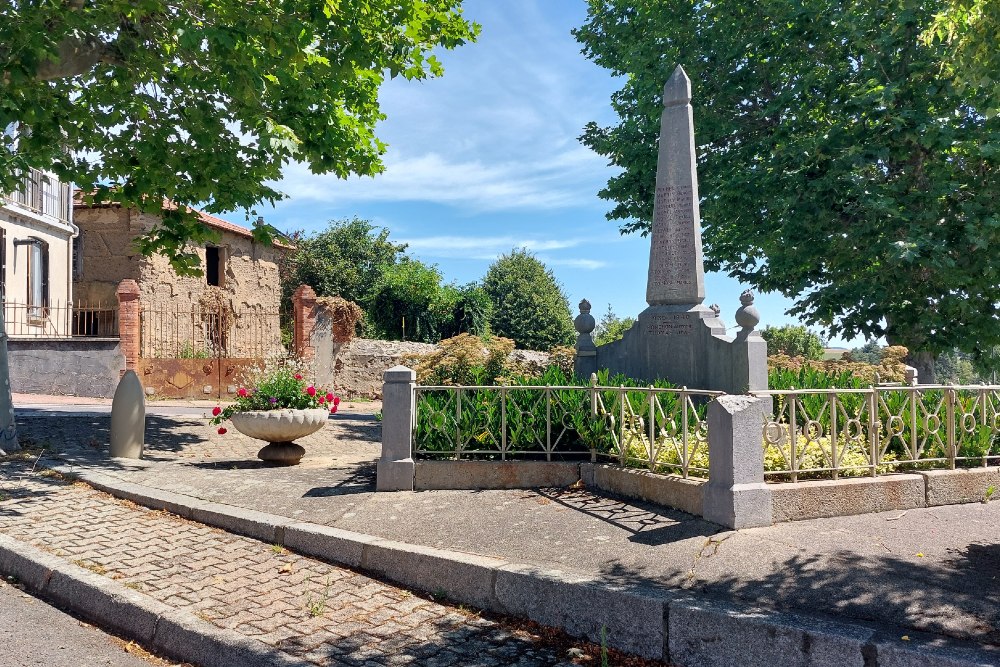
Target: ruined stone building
pixel 230 310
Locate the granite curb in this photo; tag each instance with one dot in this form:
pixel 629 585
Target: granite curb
pixel 176 634
pixel 649 621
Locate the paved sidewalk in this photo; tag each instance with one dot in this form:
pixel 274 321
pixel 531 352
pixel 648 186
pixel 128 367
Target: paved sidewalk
pixel 315 612
pixel 933 570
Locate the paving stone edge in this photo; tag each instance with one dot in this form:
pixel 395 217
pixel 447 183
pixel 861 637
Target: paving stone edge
pixel 650 622
pixel 174 633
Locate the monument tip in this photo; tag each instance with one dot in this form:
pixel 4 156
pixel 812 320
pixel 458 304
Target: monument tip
pixel 677 90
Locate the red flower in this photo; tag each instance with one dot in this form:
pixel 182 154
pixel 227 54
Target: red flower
pixel 322 400
pixel 222 430
pixel 241 392
pixel 336 400
pixel 333 409
pixel 216 411
pixel 311 390
pixel 330 397
pixel 298 376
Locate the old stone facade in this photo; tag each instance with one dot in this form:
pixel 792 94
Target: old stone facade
pixel 240 277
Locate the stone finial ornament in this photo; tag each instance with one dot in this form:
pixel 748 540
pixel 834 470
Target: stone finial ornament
pixel 584 322
pixel 747 316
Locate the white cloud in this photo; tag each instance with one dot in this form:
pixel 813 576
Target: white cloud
pixel 461 246
pixel 556 181
pixel 576 263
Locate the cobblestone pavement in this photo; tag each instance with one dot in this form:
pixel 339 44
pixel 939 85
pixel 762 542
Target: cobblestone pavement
pixel 322 614
pixel 930 569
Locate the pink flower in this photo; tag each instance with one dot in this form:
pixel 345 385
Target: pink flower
pixel 222 430
pixel 333 410
pixel 216 411
pixel 322 400
pixel 298 376
pixel 336 400
pixel 241 392
pixel 330 397
pixel 311 390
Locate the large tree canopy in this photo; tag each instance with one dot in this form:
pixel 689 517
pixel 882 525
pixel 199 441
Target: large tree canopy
pixel 838 163
pixel 203 101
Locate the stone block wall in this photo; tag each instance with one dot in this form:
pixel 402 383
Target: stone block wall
pixel 68 367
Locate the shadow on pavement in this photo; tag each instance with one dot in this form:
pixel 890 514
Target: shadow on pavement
pixel 359 479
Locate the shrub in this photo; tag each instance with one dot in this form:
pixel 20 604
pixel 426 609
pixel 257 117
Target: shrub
pixel 529 305
pixel 793 341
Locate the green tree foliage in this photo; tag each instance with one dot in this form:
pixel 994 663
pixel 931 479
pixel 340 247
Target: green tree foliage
pixel 794 340
pixel 611 327
pixel 969 29
pixel 869 353
pixel 838 166
pixel 204 101
pixel 404 303
pixel 529 305
pixel 347 259
pixel 410 303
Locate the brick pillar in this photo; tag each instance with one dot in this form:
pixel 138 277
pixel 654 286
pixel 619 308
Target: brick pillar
pixel 304 311
pixel 128 322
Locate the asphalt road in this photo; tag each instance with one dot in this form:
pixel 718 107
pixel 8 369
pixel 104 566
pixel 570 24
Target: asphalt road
pixel 33 634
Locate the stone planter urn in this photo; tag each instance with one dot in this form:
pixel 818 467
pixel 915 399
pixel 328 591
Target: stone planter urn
pixel 279 428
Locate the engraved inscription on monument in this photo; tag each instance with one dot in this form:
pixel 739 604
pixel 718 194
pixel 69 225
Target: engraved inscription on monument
pixel 670 325
pixel 672 258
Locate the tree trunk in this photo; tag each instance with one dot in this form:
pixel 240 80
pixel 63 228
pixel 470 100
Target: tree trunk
pixel 923 361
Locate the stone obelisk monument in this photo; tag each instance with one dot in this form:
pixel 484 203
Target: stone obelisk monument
pixel 676 273
pixel 677 338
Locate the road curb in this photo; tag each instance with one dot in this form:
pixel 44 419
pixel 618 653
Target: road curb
pixel 649 621
pixel 176 634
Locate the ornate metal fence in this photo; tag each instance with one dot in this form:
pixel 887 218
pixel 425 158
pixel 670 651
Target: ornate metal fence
pixel 659 429
pixel 832 432
pixel 204 332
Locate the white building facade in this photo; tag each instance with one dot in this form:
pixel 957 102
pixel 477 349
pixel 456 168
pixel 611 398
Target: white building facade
pixel 36 257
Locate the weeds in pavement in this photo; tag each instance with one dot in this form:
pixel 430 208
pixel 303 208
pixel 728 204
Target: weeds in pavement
pixel 317 605
pixel 96 568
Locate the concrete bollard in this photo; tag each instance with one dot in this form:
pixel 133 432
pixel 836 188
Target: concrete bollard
pixel 128 418
pixel 395 468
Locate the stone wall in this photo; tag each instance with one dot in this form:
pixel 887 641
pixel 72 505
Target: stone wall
pixel 356 369
pixel 359 365
pixel 70 367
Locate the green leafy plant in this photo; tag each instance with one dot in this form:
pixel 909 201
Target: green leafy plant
pixel 276 388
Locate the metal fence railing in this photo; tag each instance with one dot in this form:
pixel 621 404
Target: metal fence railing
pixel 203 332
pixel 826 433
pixel 659 429
pixel 58 320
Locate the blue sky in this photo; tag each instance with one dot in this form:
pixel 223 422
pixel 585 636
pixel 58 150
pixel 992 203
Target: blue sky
pixel 487 158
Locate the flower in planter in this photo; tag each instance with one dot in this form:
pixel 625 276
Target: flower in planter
pixel 278 388
pixel 222 430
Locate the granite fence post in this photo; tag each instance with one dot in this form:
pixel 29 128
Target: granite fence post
pixel 585 360
pixel 129 325
pixel 395 468
pixel 304 312
pixel 736 495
